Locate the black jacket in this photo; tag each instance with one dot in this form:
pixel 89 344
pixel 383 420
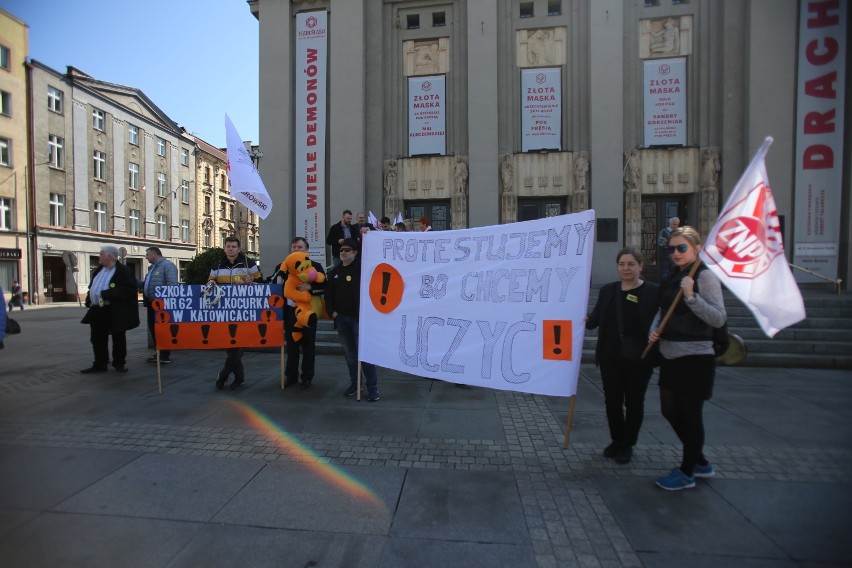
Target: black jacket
pixel 603 314
pixel 123 303
pixel 343 289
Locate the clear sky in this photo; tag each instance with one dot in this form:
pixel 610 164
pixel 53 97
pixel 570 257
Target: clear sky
pixel 195 59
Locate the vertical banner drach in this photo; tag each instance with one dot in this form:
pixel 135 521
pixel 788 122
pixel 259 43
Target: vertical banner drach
pixel 499 307
pixel 665 102
pixel 311 103
pixel 819 136
pixel 541 109
pixel 426 115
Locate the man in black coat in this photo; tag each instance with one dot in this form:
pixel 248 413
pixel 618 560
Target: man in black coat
pixel 340 231
pixel 113 309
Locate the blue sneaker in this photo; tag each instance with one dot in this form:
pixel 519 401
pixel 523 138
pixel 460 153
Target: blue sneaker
pixel 703 470
pixel 675 481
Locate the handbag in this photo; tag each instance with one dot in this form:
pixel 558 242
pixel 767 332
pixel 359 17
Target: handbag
pixel 12 327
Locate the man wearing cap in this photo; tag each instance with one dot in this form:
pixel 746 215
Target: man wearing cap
pixel 113 309
pixel 161 272
pixel 342 296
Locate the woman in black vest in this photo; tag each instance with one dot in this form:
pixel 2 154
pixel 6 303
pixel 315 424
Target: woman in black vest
pixel 624 312
pixel 689 364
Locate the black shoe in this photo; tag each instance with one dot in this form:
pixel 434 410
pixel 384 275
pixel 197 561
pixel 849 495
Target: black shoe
pixel 220 382
pixel 238 382
pixel 153 359
pixel 611 450
pixel 305 385
pixel 289 384
pixel 373 397
pixel 121 368
pixel 94 369
pixel 624 455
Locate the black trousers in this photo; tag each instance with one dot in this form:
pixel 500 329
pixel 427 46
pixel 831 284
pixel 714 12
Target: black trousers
pixel 304 349
pixel 164 353
pixel 625 383
pixel 234 363
pixel 100 331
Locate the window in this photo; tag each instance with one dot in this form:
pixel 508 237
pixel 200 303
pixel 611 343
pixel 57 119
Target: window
pixel 162 222
pixel 527 10
pixel 5 152
pixel 223 183
pixel 184 230
pixel 57 210
pixel 651 3
pixel 100 217
pixel 184 157
pixel 412 22
pixel 231 217
pixel 207 175
pixel 133 177
pixel 5 103
pixel 98 119
pixel 135 215
pixel 251 242
pixel 56 151
pixel 223 208
pixel 161 147
pixel 207 205
pixel 133 134
pixel 4 57
pixel 224 235
pixel 439 19
pixel 554 7
pixel 207 236
pixel 184 191
pixel 99 161
pixel 5 214
pixel 161 184
pixel 54 99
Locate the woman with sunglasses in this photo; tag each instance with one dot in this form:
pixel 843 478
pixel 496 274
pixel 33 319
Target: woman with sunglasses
pixel 686 343
pixel 624 312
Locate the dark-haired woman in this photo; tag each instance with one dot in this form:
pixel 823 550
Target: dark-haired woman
pixel 624 312
pixel 686 343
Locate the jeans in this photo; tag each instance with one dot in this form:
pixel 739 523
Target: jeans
pixel 347 328
pixel 306 348
pixel 684 412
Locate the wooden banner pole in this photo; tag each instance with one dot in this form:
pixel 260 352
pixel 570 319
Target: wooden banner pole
pixel 570 419
pixel 358 383
pixel 282 367
pixel 159 373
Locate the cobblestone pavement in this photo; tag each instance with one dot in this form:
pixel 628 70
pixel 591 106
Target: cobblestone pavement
pixel 569 522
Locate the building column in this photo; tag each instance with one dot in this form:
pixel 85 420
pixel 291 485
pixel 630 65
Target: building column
pixel 482 114
pixel 606 103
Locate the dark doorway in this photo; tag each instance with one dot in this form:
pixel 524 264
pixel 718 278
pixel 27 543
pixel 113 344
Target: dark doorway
pixel 539 208
pixel 438 213
pixel 656 212
pixel 53 272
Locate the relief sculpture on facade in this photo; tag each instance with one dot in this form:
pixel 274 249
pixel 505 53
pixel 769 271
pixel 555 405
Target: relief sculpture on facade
pixel 665 37
pixel 510 198
pixel 428 57
pixel 541 46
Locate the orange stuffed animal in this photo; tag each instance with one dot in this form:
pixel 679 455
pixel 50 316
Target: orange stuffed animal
pixel 299 270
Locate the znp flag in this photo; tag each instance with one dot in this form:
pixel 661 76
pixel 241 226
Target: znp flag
pixel 245 182
pixel 745 250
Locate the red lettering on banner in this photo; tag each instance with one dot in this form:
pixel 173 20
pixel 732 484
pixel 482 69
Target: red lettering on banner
pixel 311 157
pixel 312 200
pixel 823 86
pixel 312 115
pixel 819 122
pixel 312 55
pixel 815 58
pixel 818 157
pixel 820 16
pixel 312 140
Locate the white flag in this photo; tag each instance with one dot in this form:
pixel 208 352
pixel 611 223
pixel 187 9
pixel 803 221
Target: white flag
pixel 371 219
pixel 745 250
pixel 398 218
pixel 245 182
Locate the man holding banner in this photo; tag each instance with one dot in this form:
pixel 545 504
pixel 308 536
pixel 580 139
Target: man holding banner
pixel 235 268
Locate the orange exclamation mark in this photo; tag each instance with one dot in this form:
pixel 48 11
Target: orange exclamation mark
pixel 261 327
pixel 174 328
pixel 205 331
pixel 232 331
pixel 557 340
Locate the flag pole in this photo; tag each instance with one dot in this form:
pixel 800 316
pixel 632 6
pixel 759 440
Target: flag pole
pixel 672 308
pixel 159 374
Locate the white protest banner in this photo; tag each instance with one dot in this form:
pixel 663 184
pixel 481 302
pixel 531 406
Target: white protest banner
pixel 310 122
pixel 426 115
pixel 541 109
pixel 665 102
pixel 245 183
pixel 745 250
pixel 499 306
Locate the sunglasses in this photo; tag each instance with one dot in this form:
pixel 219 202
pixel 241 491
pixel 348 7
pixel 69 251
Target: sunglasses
pixel 347 249
pixel 681 248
